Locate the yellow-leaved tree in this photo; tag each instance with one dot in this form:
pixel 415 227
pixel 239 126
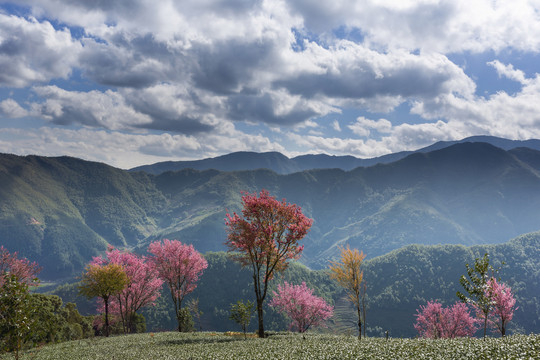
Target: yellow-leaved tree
pixel 103 281
pixel 348 275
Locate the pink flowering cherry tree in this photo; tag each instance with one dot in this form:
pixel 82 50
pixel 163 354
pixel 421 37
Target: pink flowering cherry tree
pixel 299 304
pixel 22 269
pixel 142 289
pixel 503 305
pixel 180 266
pixel 434 321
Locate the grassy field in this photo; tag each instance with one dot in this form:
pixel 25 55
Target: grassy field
pixel 283 346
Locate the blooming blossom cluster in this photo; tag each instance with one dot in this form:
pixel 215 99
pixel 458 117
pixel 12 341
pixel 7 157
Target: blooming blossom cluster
pixel 268 229
pixel 24 270
pixel 434 321
pixel 180 266
pixel 503 305
pixel 299 304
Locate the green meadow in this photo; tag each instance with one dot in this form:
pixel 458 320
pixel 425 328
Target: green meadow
pixel 206 345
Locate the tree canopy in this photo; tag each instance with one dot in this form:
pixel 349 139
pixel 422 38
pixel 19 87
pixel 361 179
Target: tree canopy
pixel 265 237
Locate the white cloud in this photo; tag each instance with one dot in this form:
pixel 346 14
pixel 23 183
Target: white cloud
pixel 106 110
pixel 397 138
pixel 127 150
pixel 9 108
pixel 443 26
pixel 509 72
pixel 514 116
pixel 197 68
pixel 348 72
pixel 34 52
pixel 362 126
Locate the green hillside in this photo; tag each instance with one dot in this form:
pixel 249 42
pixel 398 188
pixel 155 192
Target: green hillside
pixel 62 211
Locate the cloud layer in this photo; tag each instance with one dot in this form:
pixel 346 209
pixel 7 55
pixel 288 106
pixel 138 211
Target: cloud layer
pixel 193 79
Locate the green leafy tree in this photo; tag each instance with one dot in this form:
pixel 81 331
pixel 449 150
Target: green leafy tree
pixel 49 319
pixel 55 322
pixel 193 306
pixel 186 320
pixel 16 318
pixel 76 321
pixel 476 285
pixel 103 281
pixel 241 313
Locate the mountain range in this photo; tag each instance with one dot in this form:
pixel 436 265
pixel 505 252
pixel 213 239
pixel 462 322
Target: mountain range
pixel 281 164
pixel 62 211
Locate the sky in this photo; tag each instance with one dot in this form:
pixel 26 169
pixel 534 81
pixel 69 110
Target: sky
pixel 133 82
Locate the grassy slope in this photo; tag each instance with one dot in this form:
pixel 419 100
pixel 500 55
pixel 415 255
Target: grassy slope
pixel 285 346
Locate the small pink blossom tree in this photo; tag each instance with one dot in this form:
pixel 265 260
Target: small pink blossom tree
pixel 429 320
pixel 22 269
pixel 434 321
pixel 299 304
pixel 180 266
pixel 142 289
pixel 504 305
pixel 264 238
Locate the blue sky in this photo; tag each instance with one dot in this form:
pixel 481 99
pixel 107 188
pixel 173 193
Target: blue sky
pixel 141 81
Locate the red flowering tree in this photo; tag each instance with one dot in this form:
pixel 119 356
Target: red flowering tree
pixel 299 304
pixel 180 266
pixel 264 238
pixel 22 269
pixel 142 289
pixel 434 321
pixel 503 305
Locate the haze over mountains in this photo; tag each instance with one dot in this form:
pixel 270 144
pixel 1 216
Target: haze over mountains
pixel 62 211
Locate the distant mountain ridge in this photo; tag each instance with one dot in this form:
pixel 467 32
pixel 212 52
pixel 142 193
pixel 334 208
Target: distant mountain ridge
pixel 62 211
pixel 281 164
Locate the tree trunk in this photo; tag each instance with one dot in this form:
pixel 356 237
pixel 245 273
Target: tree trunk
pixel 106 300
pixel 260 315
pixel 177 309
pixel 359 323
pixel 364 307
pixel 179 315
pixel 179 320
pixel 485 325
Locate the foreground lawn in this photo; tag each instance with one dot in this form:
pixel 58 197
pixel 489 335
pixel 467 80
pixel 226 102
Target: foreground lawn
pixel 291 346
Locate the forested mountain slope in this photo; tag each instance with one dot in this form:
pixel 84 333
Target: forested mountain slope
pixel 61 211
